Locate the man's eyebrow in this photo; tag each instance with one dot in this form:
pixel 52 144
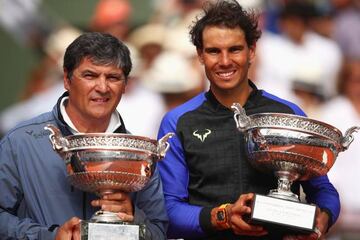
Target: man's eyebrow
pixel 237 47
pixel 88 71
pixel 211 48
pixel 115 74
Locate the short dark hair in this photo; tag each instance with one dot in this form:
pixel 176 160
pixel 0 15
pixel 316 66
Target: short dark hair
pixel 227 13
pixel 100 48
pixel 300 9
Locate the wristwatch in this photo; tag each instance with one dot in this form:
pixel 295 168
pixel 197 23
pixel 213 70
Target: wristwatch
pixel 222 217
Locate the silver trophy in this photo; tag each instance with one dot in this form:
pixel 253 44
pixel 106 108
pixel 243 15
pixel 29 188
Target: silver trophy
pixel 292 148
pixel 103 163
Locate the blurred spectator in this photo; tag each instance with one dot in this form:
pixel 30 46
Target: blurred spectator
pixel 25 21
pixel 33 106
pixel 149 40
pixel 346 30
pixel 28 22
pixel 281 59
pixel 44 84
pixel 171 12
pixel 323 20
pixel 49 71
pixel 112 16
pixel 142 109
pixel 343 112
pixel 306 86
pixel 177 40
pixel 174 77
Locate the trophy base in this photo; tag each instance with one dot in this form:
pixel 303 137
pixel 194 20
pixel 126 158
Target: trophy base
pixel 108 231
pixel 282 215
pixel 108 226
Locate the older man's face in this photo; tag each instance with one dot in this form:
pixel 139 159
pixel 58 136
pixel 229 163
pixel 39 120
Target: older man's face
pixel 94 91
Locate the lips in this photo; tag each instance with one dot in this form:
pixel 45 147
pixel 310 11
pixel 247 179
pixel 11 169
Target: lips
pixel 226 75
pixel 100 100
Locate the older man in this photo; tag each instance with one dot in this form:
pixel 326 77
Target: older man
pixel 36 201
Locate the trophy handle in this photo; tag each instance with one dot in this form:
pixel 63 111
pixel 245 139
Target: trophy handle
pixel 59 143
pixel 243 122
pixel 163 145
pixel 240 117
pixel 348 137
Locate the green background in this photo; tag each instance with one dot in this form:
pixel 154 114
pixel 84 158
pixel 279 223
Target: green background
pixel 16 61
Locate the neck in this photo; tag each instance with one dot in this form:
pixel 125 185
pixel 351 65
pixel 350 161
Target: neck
pixel 228 97
pixel 91 128
pixel 85 125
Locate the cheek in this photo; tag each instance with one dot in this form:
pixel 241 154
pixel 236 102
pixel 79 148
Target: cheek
pixel 244 60
pixel 209 65
pixel 118 90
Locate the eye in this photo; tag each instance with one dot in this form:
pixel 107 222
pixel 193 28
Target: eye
pixel 212 51
pixel 89 76
pixel 236 49
pixel 115 78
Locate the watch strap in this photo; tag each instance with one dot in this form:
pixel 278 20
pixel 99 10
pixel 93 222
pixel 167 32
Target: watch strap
pixel 222 217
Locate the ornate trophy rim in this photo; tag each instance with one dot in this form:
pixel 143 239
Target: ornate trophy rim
pixel 114 141
pixel 107 162
pixel 301 124
pixel 117 135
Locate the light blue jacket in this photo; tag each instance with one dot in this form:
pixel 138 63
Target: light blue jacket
pixel 35 194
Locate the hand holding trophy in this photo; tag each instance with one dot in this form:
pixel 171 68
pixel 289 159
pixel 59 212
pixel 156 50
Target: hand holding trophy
pixel 292 148
pixel 107 164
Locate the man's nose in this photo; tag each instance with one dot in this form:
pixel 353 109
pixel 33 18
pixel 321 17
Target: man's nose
pixel 101 84
pixel 225 59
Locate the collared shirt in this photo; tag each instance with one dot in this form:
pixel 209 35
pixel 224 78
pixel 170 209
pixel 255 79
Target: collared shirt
pixel 114 123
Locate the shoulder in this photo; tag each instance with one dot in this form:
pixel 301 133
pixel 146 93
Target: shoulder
pixel 173 116
pixel 32 126
pixel 274 103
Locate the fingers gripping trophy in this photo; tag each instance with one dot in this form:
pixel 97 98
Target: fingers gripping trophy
pixel 292 148
pixel 104 163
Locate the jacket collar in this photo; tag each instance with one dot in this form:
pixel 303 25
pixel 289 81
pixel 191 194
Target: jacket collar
pixel 217 106
pixel 63 126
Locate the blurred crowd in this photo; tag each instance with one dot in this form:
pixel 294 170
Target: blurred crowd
pixel 309 53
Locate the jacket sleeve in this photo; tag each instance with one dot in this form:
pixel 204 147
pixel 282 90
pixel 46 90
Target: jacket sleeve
pixel 150 209
pixel 11 198
pixel 321 192
pixel 183 217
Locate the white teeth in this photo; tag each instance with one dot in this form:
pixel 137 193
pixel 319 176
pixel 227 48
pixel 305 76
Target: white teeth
pixel 226 74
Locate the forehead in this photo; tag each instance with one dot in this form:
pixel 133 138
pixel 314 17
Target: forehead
pixel 90 64
pixel 220 36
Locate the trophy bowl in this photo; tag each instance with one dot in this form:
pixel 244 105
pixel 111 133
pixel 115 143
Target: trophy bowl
pixel 292 148
pixel 105 163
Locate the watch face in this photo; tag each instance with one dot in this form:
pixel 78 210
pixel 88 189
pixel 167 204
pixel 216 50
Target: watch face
pixel 220 215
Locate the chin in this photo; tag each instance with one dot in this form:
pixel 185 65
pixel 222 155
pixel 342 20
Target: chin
pixel 229 86
pixel 99 116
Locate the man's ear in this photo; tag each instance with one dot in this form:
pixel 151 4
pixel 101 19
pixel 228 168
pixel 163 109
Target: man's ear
pixel 66 80
pixel 124 88
pixel 200 56
pixel 252 50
